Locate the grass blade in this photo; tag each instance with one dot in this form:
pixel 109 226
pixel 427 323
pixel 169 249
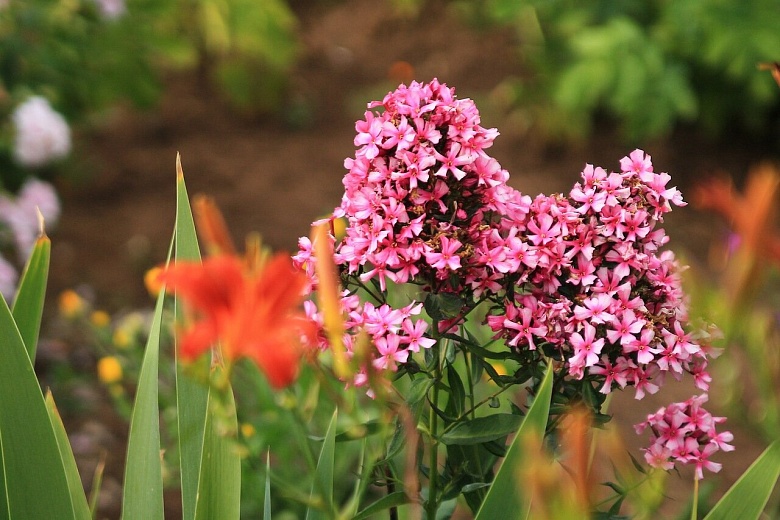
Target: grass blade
pixel 322 487
pixel 504 493
pixel 143 487
pixel 267 500
pixel 191 396
pixel 35 482
pixel 219 486
pixel 80 506
pixel 748 496
pixel 28 304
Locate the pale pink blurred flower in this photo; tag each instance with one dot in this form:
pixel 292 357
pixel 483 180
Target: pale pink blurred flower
pixel 42 134
pixel 111 9
pixel 20 215
pixel 8 277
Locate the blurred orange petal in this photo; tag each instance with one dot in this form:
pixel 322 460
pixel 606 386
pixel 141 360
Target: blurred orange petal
pixel 253 314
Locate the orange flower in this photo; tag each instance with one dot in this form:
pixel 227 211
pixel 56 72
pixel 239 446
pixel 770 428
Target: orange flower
pixel 253 313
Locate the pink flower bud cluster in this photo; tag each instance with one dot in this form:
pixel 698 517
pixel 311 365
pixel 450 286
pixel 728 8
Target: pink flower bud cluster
pixel 685 432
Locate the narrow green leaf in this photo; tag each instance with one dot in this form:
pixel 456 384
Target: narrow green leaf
pixel 418 389
pixel 219 486
pixel 395 499
pixel 80 506
pixel 38 486
pixel 322 487
pixel 267 501
pixel 191 396
pixel 504 493
pixel 142 498
pixel 482 429
pixel 28 304
pixel 4 513
pixel 97 484
pixel 748 496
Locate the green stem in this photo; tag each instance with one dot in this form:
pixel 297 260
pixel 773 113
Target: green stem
pixel 695 507
pixel 431 506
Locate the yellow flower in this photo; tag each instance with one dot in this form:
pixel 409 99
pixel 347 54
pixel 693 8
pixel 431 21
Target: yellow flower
pixel 109 370
pixel 247 430
pixel 152 280
pixel 339 228
pixel 121 338
pixel 71 305
pixel 100 319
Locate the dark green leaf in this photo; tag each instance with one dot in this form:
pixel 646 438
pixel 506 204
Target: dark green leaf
pixel 395 499
pixel 418 389
pixel 456 404
pixel 482 429
pixel 442 306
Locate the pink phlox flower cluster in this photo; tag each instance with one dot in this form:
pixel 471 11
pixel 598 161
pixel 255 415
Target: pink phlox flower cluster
pixel 41 134
pixel 594 284
pixel 422 197
pixel 686 433
pixel 424 204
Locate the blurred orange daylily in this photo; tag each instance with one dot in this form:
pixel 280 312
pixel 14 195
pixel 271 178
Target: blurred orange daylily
pixel 252 312
pixel 751 215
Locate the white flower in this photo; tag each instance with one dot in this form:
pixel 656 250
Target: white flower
pixel 8 279
pixel 42 135
pixel 111 9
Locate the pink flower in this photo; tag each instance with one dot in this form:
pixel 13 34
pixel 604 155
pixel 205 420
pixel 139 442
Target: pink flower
pixel 446 257
pixel 586 347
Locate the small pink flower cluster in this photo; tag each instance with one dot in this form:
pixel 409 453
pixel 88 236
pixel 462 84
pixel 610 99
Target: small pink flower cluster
pixel 595 286
pixel 393 332
pixel 685 432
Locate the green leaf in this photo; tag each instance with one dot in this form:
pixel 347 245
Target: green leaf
pixel 322 487
pixel 219 485
pixel 456 403
pixel 267 500
pixel 142 498
pixel 80 505
pixel 418 389
pixel 504 493
pixel 395 499
pixel 28 305
pixel 191 396
pixel 36 484
pixel 748 496
pixel 482 429
pixel 442 306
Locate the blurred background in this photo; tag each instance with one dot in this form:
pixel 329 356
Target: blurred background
pixel 260 98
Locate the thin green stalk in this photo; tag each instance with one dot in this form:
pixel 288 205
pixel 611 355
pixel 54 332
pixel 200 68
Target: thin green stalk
pixel 695 507
pixel 466 357
pixel 432 505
